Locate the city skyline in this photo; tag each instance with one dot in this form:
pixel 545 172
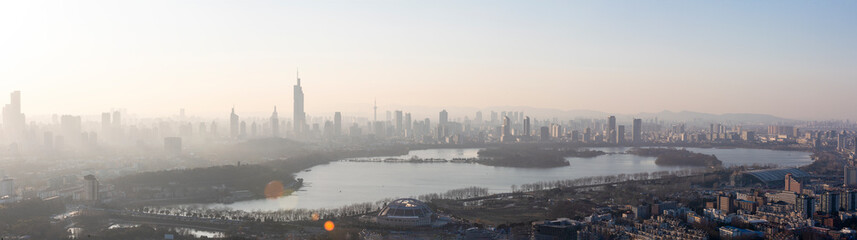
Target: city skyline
pixel 787 58
pixel 481 119
pixel 459 113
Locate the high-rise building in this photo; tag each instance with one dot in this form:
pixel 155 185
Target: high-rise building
pixel 793 184
pixel 620 134
pixel 328 129
pixel 337 123
pixel 849 200
pixel 711 135
pixel 587 135
pixel 478 118
pixel 805 206
pixel 243 132
pixel 117 121
pixel 275 123
pixel 638 131
pixel 90 188
pixel 725 203
pixel 253 129
pixel 526 126
pixel 443 117
pixel 299 114
pixel 408 123
pixel 611 129
pixel 830 202
pixel 556 131
pixel 105 124
pixel 399 127
pixel 507 130
pixel 233 124
pixel 781 130
pixel 13 119
pixel 850 176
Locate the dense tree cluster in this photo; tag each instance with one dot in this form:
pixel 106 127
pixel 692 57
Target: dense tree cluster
pixel 826 163
pixel 677 157
pixel 531 156
pixel 31 217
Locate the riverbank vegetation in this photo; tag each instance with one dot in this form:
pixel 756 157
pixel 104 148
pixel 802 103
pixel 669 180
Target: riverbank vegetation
pixel 677 157
pixel 825 163
pixel 211 184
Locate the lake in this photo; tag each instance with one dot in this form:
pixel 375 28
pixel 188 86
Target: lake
pixel 343 182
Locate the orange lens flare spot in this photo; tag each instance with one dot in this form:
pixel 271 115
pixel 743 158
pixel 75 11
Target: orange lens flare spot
pixel 274 189
pixel 328 226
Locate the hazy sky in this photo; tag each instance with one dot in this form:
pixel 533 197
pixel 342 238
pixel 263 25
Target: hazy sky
pixel 794 59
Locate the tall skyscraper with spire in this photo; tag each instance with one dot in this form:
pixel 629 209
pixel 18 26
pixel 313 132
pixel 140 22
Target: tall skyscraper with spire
pixel 233 124
pixel 300 116
pixel 275 123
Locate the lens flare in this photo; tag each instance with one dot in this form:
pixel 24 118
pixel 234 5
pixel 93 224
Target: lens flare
pixel 274 189
pixel 328 226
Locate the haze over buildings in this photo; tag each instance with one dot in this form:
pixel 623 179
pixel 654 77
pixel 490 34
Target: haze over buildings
pixel 785 57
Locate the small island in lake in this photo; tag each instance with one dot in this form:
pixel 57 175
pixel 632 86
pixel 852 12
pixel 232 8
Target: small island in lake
pixel 677 157
pixel 531 157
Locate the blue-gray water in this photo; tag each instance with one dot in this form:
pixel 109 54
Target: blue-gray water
pixel 342 183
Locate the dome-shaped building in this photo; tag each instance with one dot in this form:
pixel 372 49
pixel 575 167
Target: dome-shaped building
pixel 407 212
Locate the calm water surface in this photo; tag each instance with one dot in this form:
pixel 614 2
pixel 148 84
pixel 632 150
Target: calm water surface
pixel 342 183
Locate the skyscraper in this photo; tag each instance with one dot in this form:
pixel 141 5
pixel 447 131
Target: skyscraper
pixel 105 124
pixel 507 129
pixel 805 206
pixel 638 131
pixel 300 115
pixel 443 118
pixel 526 126
pixel 117 121
pixel 243 131
pixel 233 124
pixel 90 188
pixel 850 176
pixel 620 134
pixel 408 123
pixel 13 119
pixel 399 127
pixel 611 129
pixel 337 124
pixel 275 123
